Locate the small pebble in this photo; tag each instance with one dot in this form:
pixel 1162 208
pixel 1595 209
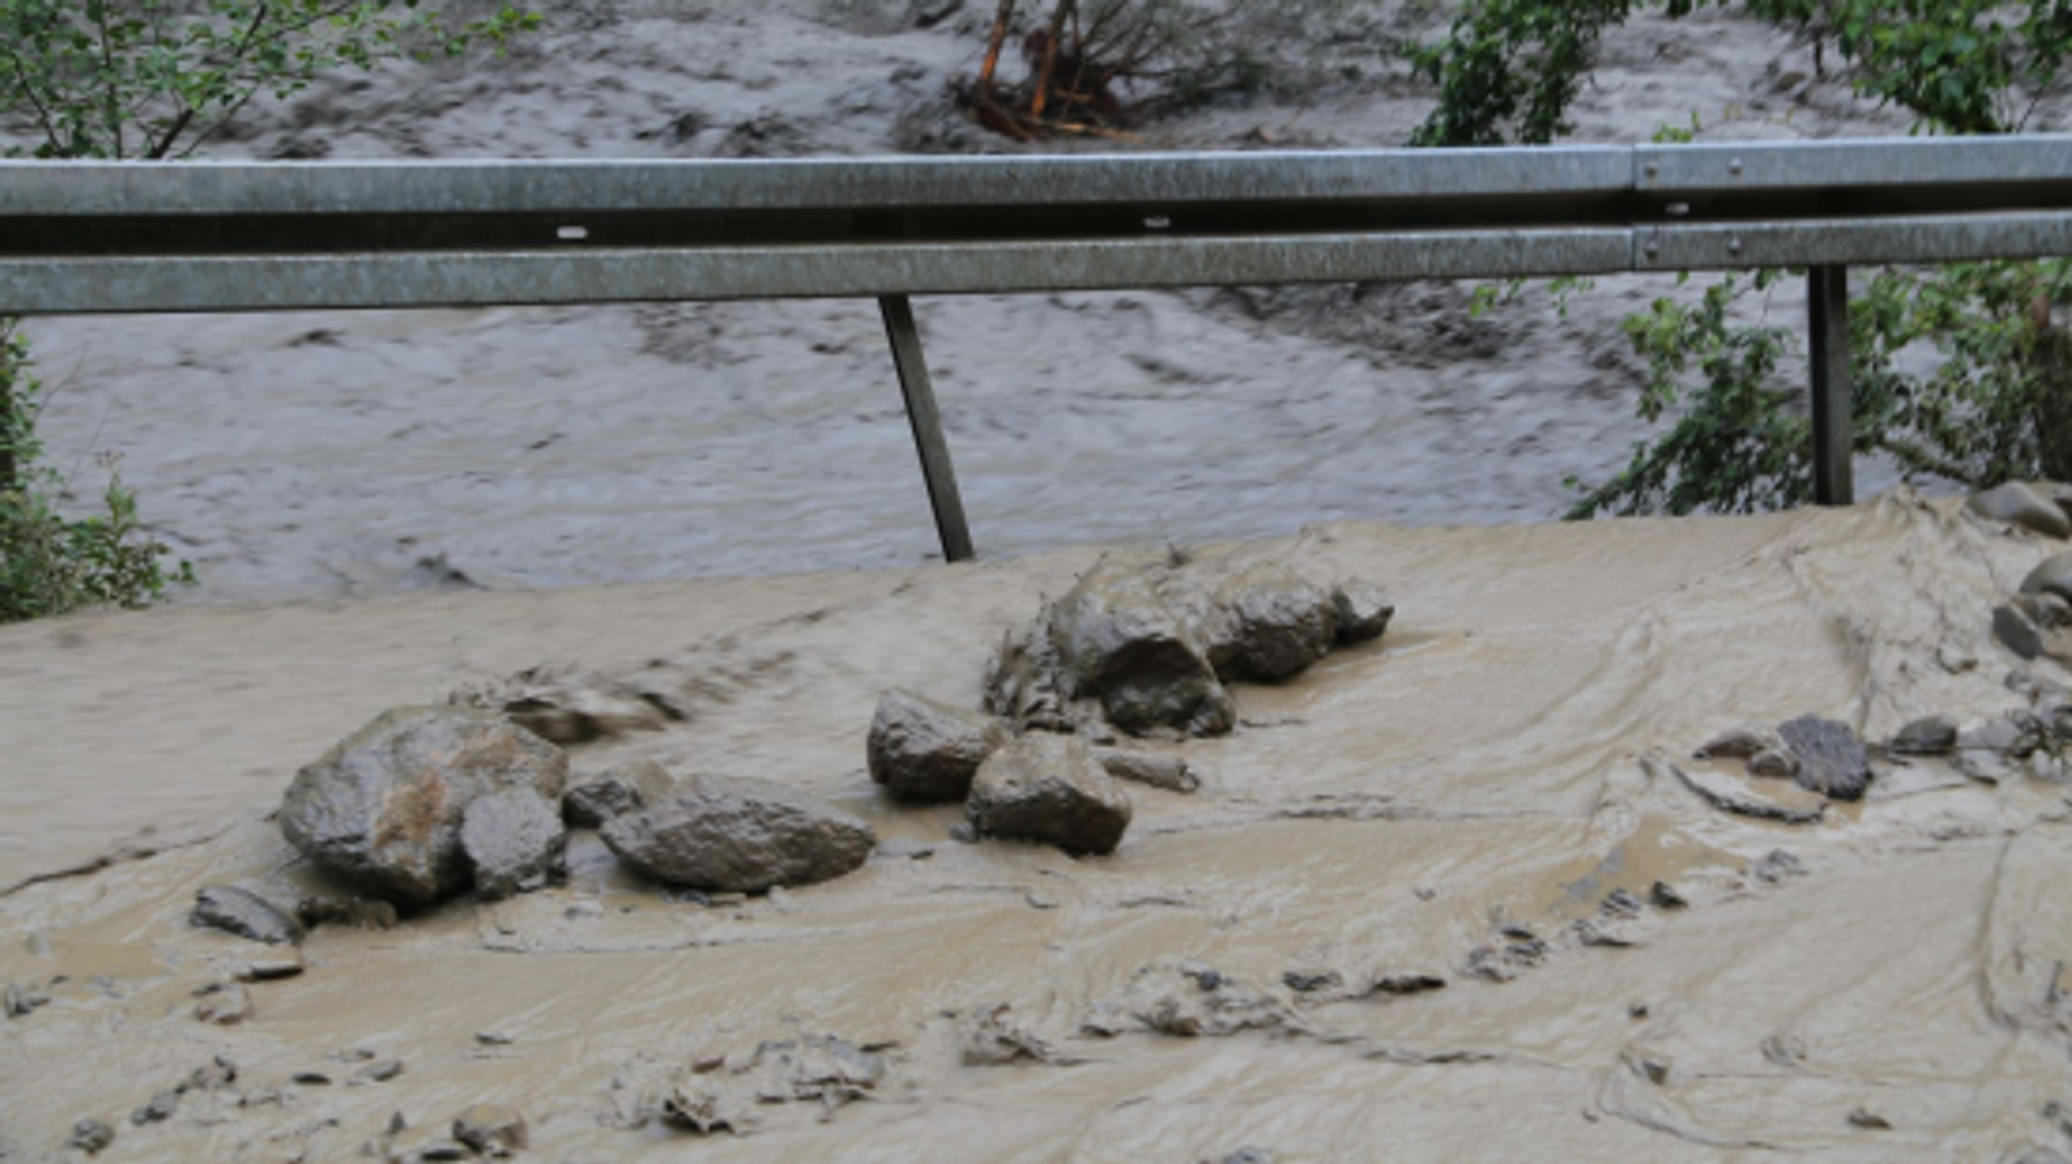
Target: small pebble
pixel 90 1136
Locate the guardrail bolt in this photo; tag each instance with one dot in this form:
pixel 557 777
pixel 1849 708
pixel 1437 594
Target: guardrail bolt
pixel 1734 246
pixel 1654 169
pixel 1734 167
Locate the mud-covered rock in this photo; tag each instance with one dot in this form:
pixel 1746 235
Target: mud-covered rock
pixel 739 834
pixel 1268 623
pixel 1049 788
pixel 1740 743
pixel 1117 641
pixel 1159 770
pixel 920 749
pixel 631 786
pixel 224 1004
pixel 2017 631
pixel 491 1129
pixel 91 1137
pixel 383 809
pixel 514 839
pixel 1362 611
pixel 244 913
pixel 1832 760
pixel 1931 735
pixel 2019 503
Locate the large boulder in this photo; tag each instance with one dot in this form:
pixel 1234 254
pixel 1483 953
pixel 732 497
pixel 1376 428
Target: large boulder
pixel 920 749
pixel 385 807
pixel 1269 624
pixel 1117 641
pixel 2020 503
pixel 515 841
pixel 1049 788
pixel 737 834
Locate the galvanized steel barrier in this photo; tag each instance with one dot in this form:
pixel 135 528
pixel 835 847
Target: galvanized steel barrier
pixel 87 237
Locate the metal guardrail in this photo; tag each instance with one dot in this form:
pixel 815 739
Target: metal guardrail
pixel 85 237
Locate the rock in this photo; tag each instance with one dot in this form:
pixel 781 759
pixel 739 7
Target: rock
pixel 1048 788
pixel 224 1004
pixel 920 749
pixel 988 1038
pixel 1401 982
pixel 2051 576
pixel 1775 866
pixel 161 1108
pixel 515 840
pixel 1741 743
pixel 1117 641
pixel 379 1071
pixel 360 913
pixel 443 1150
pixel 1663 895
pixel 1831 759
pixel 17 1001
pixel 1864 1117
pixel 1932 735
pixel 1159 771
pixel 1269 624
pixel 1362 611
pixel 1774 764
pixel 491 1129
pixel 2016 631
pixel 244 913
pixel 269 969
pixel 1249 1156
pixel 384 807
pixel 623 789
pixel 1312 981
pixel 1994 735
pixel 91 1136
pixel 739 834
pixel 2019 503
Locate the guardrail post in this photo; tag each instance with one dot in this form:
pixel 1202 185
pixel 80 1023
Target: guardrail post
pixel 1827 305
pixel 927 423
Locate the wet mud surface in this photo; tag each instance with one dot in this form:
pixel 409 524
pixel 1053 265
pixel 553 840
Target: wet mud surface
pixel 1452 892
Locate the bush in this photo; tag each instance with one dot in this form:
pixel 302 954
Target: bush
pixel 50 565
pixel 153 80
pixel 1998 402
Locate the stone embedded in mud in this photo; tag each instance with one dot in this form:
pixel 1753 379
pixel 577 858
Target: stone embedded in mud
pixel 224 1004
pixel 631 786
pixel 244 913
pixel 1169 772
pixel 1269 624
pixel 1832 760
pixel 2051 576
pixel 1741 743
pixel 1362 609
pixel 920 749
pixel 739 834
pixel 384 808
pixel 491 1129
pixel 91 1136
pixel 2019 503
pixel 515 841
pixel 1117 641
pixel 1048 788
pixel 1931 735
pixel 2016 631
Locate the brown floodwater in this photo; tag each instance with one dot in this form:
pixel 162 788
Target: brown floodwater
pixel 1454 803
